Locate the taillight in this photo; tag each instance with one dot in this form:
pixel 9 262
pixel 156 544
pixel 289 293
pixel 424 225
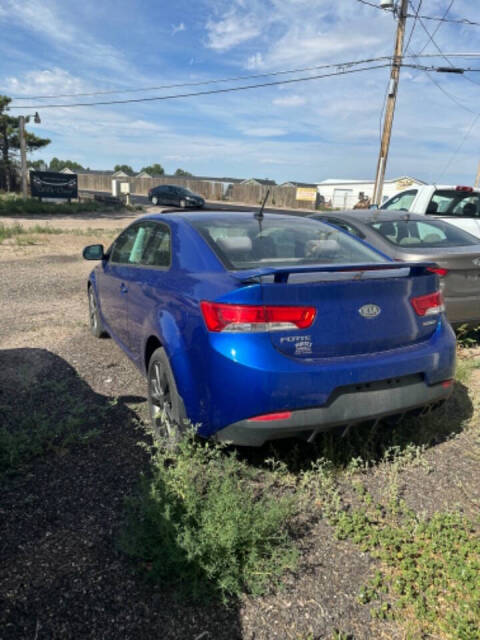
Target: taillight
pixel 429 304
pixel 242 317
pixel 272 417
pixel 438 270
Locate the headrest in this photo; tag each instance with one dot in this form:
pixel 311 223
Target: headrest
pixel 234 244
pixel 321 248
pixel 387 229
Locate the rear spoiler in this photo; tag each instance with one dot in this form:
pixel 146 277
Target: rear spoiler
pixel 281 274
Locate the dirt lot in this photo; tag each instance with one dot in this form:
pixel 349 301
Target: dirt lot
pixel 61 573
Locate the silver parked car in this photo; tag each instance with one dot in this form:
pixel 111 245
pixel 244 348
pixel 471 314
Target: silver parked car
pixel 411 237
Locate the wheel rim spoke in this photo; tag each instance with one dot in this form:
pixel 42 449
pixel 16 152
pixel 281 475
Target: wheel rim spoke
pixel 162 412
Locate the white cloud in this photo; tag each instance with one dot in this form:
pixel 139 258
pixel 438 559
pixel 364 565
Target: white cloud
pixel 290 101
pixel 64 33
pixel 46 82
pixel 255 61
pixel 264 132
pixel 176 29
pixel 231 30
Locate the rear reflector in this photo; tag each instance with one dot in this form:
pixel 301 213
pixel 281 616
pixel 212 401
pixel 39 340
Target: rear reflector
pixel 269 417
pixel 428 305
pixel 467 189
pixel 447 384
pixel 255 318
pixel 438 270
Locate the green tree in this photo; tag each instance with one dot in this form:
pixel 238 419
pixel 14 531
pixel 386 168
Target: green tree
pixel 154 169
pixel 58 165
pixel 125 168
pixel 37 165
pixel 10 143
pixel 181 173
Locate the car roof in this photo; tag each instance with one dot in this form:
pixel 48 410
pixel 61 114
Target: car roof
pixel 376 215
pixel 220 215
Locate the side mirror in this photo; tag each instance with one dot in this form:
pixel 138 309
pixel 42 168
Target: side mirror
pixel 93 252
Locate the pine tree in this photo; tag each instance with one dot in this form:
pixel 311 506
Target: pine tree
pixel 10 143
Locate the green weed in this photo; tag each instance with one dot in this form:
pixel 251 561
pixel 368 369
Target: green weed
pixel 14 230
pixel 203 523
pixel 51 420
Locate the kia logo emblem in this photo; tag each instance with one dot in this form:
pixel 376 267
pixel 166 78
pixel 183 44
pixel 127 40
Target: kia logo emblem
pixel 369 311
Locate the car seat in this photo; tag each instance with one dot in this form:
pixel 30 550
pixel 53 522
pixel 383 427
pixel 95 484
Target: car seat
pixel 387 229
pixel 432 207
pixel 432 237
pixel 469 209
pixel 264 247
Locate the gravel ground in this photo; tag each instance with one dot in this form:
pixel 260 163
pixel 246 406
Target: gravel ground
pixel 61 574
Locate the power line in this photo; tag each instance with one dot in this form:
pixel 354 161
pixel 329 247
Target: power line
pixel 433 41
pixel 465 21
pixel 205 82
pixel 460 146
pixel 412 31
pixel 439 25
pixel 203 93
pixel 466 54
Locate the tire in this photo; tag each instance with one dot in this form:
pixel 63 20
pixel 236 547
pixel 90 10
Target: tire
pixel 154 200
pixel 95 322
pixel 167 412
pixel 183 204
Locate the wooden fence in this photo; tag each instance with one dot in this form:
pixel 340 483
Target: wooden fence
pixel 284 197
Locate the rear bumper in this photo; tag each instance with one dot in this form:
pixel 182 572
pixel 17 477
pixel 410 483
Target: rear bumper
pixel 350 406
pixel 463 310
pixel 229 378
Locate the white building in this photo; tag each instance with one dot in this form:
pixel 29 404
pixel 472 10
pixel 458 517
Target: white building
pixel 344 194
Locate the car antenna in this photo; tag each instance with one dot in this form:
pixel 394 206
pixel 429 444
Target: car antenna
pixel 259 214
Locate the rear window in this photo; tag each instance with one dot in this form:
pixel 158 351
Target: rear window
pixel 415 234
pixel 455 203
pixel 245 243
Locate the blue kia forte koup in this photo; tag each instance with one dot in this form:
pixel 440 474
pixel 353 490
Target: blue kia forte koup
pixel 254 327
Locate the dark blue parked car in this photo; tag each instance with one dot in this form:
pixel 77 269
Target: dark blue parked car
pixel 255 328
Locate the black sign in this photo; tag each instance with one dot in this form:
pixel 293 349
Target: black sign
pixel 49 184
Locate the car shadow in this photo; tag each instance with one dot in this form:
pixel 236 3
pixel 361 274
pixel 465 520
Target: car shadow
pixel 68 459
pixel 369 441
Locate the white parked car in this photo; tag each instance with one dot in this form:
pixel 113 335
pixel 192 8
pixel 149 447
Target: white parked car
pixel 458 205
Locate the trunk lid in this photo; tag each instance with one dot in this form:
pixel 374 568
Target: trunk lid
pixel 463 270
pixel 360 309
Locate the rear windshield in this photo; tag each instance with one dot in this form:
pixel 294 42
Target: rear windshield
pixel 455 203
pixel 414 234
pixel 245 243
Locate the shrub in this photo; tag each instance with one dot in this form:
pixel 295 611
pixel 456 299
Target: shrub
pixel 201 523
pixel 13 205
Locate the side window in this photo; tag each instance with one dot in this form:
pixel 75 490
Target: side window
pixel 123 245
pixel 402 202
pixel 345 226
pixel 157 252
pixel 131 244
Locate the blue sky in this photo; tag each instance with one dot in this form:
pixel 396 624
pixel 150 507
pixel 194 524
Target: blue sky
pixel 327 128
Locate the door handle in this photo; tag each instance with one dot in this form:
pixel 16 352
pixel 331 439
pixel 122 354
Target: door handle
pixel 123 288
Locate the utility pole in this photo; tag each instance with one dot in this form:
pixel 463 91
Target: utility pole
pixel 23 154
pixel 391 102
pixel 23 148
pixel 477 179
